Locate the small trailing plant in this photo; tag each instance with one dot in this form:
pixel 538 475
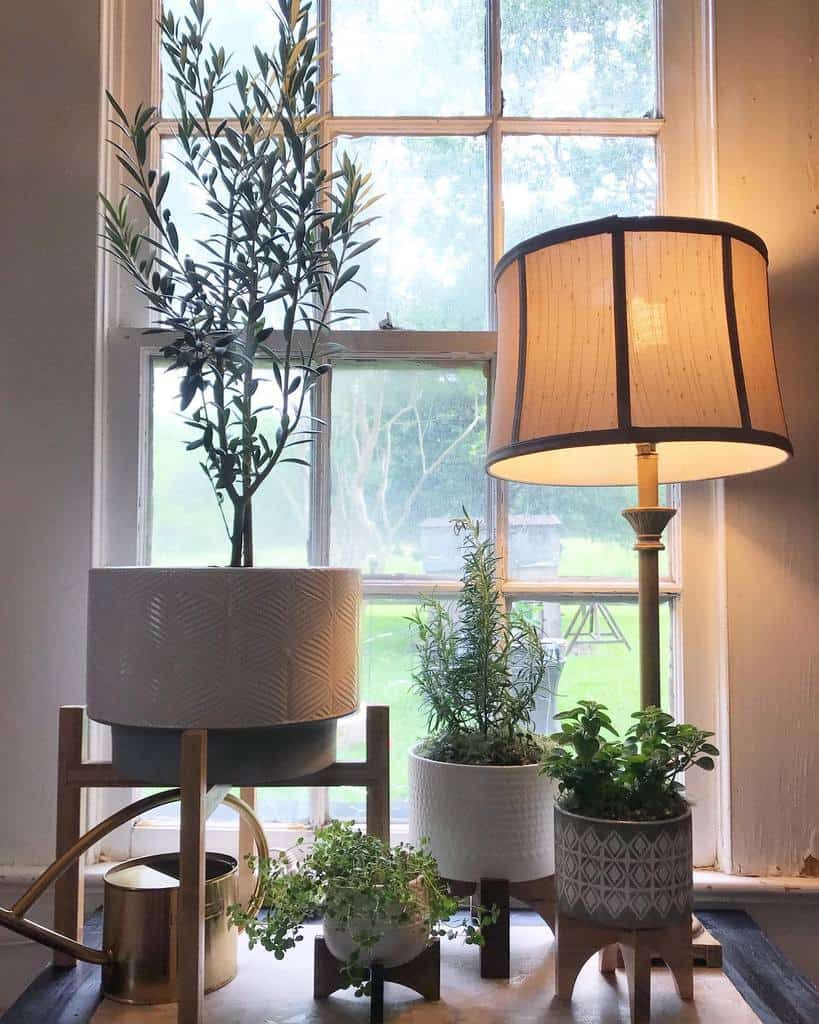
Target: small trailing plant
pixel 360 883
pixel 480 668
pixel 280 232
pixel 633 779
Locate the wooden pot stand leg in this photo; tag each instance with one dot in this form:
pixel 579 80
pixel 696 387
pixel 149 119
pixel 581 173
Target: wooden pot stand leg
pixel 539 894
pixel 579 940
pixel 422 975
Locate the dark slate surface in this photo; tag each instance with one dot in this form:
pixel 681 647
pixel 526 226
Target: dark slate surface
pixel 765 978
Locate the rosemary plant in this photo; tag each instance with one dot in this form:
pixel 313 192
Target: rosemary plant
pixel 282 232
pixel 480 668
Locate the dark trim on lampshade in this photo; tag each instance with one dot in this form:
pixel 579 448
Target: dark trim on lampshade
pixel 733 332
pixel 623 377
pixel 639 435
pixel 522 329
pixel 608 225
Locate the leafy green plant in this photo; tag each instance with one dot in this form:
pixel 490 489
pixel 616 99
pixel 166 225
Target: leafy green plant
pixel 480 669
pixel 633 779
pixel 361 884
pixel 281 234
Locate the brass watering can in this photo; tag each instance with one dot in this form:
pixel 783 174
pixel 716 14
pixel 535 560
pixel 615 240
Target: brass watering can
pixel 140 912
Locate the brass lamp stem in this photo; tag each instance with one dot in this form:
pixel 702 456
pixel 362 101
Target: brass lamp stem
pixel 648 521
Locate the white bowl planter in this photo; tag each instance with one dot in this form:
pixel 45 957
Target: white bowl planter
pixel 239 652
pixel 399 943
pixel 483 821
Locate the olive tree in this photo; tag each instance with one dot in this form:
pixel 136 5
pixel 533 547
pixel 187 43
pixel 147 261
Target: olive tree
pixel 281 236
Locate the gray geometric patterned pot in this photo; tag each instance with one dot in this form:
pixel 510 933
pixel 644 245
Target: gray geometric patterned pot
pixel 631 874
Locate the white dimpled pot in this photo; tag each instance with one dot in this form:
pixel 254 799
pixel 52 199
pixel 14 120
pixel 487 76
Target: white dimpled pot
pixel 483 821
pixel 222 648
pixel 399 943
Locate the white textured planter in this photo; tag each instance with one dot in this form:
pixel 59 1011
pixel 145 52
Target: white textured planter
pixel 239 652
pixel 483 821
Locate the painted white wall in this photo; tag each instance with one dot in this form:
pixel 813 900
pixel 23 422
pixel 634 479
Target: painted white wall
pixel 49 75
pixel 768 165
pixel 49 55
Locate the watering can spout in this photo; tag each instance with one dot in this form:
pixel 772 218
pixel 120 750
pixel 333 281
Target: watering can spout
pixel 54 940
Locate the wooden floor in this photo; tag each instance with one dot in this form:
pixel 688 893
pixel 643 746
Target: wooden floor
pixel 271 992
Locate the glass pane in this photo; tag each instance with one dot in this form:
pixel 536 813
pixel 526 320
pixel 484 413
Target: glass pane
pixel 407 452
pixel 195 223
pixel 288 804
pixel 600 642
pixel 387 662
pixel 574 531
pixel 578 58
pixel 236 25
pixel 186 527
pixel 186 201
pixel 430 267
pixel 413 57
pixel 552 180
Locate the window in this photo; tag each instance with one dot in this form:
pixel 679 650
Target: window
pixel 483 122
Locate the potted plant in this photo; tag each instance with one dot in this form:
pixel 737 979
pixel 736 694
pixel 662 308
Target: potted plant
pixel 228 648
pixel 379 904
pixel 475 789
pixel 622 824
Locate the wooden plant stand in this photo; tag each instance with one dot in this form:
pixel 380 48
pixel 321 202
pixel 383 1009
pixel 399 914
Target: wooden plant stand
pixel 422 975
pixel 579 940
pixel 76 775
pixel 538 894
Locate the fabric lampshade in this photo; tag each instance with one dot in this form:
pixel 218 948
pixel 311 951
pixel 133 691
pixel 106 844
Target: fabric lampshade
pixel 631 330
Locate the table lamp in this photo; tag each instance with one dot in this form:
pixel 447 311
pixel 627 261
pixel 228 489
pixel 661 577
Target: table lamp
pixel 636 348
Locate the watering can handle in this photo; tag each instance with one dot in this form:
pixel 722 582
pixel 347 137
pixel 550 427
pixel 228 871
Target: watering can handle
pixel 14 919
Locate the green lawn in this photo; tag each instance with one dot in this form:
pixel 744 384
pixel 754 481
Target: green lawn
pixel 605 672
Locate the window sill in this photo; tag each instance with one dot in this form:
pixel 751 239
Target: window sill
pixel 715 888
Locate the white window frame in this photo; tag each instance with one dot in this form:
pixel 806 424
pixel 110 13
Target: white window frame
pixel 686 185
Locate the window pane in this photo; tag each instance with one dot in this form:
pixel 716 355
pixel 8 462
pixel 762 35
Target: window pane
pixel 430 267
pixel 574 531
pixel 407 452
pixel 387 662
pixel 593 58
pixel 187 202
pixel 413 57
pixel 600 641
pixel 287 804
pixel 553 180
pixel 290 804
pixel 236 25
pixel 186 527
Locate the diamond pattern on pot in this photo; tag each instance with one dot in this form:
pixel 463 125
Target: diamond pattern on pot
pixel 635 874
